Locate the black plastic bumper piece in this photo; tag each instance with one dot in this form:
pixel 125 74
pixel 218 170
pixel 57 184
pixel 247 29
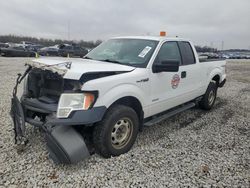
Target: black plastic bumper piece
pixel 66 145
pixel 222 83
pixel 80 117
pixel 38 106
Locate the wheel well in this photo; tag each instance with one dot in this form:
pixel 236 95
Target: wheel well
pixel 216 78
pixel 133 103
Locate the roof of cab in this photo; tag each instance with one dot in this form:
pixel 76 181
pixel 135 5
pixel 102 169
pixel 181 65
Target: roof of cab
pixel 157 38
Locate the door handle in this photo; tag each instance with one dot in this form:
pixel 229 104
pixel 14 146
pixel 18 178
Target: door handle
pixel 183 74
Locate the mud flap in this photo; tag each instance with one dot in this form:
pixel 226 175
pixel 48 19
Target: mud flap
pixel 66 145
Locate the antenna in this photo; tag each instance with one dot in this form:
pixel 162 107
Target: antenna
pixel 68 29
pixel 211 44
pixel 222 45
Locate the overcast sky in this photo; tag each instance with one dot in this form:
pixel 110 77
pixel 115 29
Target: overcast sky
pixel 206 22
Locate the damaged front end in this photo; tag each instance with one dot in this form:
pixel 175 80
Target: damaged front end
pixel 38 107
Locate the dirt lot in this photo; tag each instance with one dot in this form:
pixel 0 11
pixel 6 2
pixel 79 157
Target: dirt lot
pixel 195 148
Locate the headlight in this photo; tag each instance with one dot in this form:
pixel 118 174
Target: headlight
pixel 74 101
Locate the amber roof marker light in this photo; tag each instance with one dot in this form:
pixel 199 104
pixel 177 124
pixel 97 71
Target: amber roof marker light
pixel 163 33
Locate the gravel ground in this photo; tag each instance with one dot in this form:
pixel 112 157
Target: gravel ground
pixel 194 148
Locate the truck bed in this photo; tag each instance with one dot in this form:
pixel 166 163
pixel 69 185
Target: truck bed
pixel 209 60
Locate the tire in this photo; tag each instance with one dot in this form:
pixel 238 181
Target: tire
pixel 119 122
pixel 209 98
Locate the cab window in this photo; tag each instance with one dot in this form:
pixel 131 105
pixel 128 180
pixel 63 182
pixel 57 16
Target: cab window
pixel 168 51
pixel 186 53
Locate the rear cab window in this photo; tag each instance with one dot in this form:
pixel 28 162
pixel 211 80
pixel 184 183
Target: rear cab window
pixel 187 53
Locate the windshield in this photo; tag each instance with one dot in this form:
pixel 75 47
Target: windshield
pixel 134 52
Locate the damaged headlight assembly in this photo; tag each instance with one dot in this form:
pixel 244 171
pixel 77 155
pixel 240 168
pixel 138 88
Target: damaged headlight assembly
pixel 74 101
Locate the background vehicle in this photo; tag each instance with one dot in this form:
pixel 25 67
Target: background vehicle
pixel 119 87
pixel 210 55
pixel 17 51
pixel 3 45
pixel 35 47
pixel 72 51
pixel 25 44
pixel 49 51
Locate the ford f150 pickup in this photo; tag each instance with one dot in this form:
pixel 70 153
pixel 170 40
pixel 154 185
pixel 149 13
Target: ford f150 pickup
pixel 119 87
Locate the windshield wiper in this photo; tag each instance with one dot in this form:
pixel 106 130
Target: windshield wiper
pixel 112 61
pixel 86 57
pixel 108 60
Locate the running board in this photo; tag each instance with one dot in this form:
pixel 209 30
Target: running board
pixel 169 114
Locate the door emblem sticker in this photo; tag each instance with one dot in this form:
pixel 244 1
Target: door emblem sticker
pixel 175 81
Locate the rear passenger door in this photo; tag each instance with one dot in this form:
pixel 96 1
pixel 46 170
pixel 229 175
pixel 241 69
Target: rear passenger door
pixel 190 72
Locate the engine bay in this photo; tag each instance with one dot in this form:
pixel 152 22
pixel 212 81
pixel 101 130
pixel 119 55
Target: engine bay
pixel 44 83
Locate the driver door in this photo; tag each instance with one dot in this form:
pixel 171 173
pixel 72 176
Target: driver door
pixel 166 87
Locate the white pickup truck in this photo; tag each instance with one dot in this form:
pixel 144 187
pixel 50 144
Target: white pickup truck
pixel 117 88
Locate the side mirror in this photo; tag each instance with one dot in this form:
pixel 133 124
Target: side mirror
pixel 166 66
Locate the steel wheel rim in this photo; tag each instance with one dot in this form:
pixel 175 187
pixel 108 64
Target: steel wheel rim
pixel 121 133
pixel 211 97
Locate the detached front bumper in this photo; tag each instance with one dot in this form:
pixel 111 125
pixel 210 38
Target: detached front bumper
pixel 79 117
pixel 64 143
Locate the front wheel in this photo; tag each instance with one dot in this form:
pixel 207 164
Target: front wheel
pixel 117 132
pixel 209 98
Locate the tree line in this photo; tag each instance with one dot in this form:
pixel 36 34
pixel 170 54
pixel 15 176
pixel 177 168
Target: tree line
pixel 47 42
pixel 83 43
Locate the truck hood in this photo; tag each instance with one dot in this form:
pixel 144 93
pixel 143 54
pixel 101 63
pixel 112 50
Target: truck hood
pixel 77 67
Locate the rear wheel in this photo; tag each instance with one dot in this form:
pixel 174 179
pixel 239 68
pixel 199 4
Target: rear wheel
pixel 117 132
pixel 209 98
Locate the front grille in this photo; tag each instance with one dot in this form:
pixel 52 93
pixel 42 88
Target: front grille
pixel 44 83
